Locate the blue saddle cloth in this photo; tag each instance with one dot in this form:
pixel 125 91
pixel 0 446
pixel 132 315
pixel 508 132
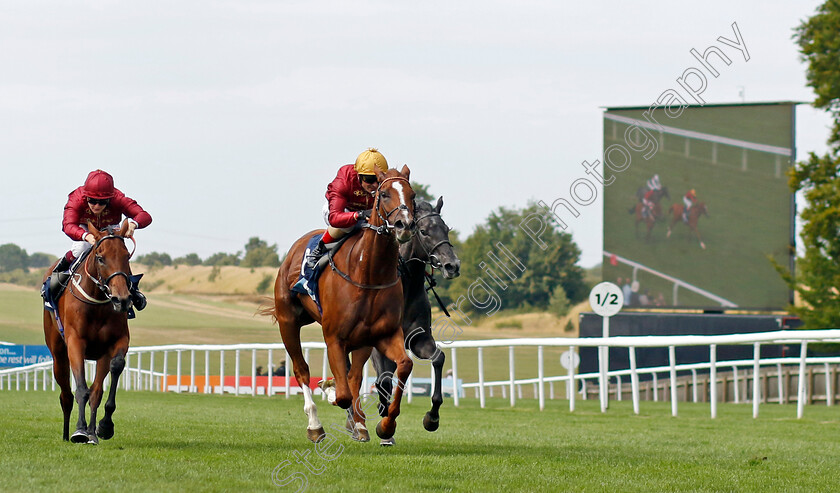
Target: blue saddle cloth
pixel 308 281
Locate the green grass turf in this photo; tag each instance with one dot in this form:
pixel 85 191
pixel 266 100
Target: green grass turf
pixel 749 219
pixel 168 442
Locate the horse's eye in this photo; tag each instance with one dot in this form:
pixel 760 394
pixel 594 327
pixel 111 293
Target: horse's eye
pixel 423 232
pixel 100 259
pixel 384 196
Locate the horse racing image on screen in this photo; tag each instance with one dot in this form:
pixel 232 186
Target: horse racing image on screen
pixel 696 216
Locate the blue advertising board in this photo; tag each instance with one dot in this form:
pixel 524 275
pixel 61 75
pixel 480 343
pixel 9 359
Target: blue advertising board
pixel 23 355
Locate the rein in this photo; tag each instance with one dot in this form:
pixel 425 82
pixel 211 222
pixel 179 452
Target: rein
pixel 358 285
pixel 431 261
pixel 103 285
pixel 385 228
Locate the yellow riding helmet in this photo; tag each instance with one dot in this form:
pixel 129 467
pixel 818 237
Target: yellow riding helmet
pixel 369 160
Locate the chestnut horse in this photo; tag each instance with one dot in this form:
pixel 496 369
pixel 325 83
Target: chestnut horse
pixel 362 301
pixel 429 247
pixel 94 313
pixel 693 217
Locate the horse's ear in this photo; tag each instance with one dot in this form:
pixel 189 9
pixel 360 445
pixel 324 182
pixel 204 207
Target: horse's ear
pixel 439 204
pixel 93 230
pixel 405 171
pixel 124 228
pixel 380 175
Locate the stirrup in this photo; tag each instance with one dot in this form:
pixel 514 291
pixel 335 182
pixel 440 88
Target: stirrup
pixel 315 255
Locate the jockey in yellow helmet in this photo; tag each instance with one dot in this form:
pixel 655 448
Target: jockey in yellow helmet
pixel 350 198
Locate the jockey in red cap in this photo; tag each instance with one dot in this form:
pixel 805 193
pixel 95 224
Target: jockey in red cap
pixel 350 198
pixel 103 205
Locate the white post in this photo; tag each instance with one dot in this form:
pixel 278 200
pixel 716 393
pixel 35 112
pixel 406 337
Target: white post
pixel 165 375
pixel 541 376
pixel 152 371
pixel 634 380
pixel 780 383
pixel 756 378
pixel 829 395
pixel 207 388
pixel 618 384
pixel 512 376
pixel 604 366
pixel 178 371
pixel 236 372
pixel 253 372
pixel 673 360
pixel 713 379
pixel 222 372
pixel 572 388
pixel 737 384
pixel 126 379
pixel 455 396
pixel 192 370
pixel 694 385
pixel 655 387
pixel 269 388
pixel 286 374
pixel 481 377
pixel 800 395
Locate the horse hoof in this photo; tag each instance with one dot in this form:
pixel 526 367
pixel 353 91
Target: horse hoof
pixel 105 431
pixel 429 423
pixel 389 442
pixel 361 435
pixel 80 436
pixel 316 436
pixel 382 433
pixel 92 440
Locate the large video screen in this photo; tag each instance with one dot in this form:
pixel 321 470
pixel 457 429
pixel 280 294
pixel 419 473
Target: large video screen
pixel 694 217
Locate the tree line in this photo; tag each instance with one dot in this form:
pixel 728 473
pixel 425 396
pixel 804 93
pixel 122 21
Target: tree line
pixel 257 253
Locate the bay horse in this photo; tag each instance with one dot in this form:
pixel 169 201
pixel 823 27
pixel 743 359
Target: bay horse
pixel 693 217
pixel 94 314
pixel 429 247
pixel 653 215
pixel 362 305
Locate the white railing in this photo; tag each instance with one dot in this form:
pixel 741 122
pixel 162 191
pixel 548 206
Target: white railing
pixel 161 368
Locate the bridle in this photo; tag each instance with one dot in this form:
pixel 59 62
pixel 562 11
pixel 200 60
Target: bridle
pixel 430 252
pixel 102 284
pixel 386 226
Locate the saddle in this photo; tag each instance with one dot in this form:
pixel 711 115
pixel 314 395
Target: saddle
pixel 52 289
pixel 307 282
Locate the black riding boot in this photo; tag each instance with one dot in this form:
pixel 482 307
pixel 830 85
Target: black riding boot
pixel 63 265
pixel 314 255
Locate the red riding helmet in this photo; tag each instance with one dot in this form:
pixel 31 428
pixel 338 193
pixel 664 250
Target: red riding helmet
pixel 99 185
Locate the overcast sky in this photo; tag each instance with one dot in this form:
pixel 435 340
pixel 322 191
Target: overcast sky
pixel 227 119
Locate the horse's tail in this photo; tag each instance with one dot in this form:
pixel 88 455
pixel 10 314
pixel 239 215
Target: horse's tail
pixel 267 309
